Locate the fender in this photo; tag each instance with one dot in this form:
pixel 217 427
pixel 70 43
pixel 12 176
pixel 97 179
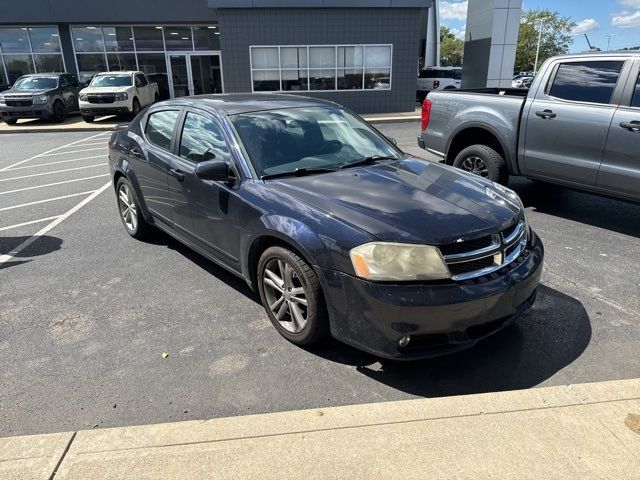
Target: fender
pixel 511 164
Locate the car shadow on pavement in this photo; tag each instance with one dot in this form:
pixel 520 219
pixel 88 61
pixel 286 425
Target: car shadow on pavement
pixel 598 211
pixel 538 345
pixel 162 239
pixel 41 246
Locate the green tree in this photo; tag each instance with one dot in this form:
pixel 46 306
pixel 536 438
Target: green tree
pixel 556 37
pixel 451 48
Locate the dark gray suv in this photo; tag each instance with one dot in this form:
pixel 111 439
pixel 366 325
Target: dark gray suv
pixel 41 95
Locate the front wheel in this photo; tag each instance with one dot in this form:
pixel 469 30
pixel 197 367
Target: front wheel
pixel 129 208
pixel 59 112
pixel 88 118
pixel 483 161
pixel 135 107
pixel 10 121
pixel 291 294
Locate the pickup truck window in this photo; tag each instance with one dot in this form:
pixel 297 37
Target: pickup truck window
pixel 141 80
pixel 590 81
pixel 111 81
pixel 35 83
pixel 635 101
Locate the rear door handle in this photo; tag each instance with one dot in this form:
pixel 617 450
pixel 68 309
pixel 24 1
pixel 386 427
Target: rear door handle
pixel 546 114
pixel 631 126
pixel 177 174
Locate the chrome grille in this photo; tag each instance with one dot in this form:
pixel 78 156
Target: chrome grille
pixel 486 255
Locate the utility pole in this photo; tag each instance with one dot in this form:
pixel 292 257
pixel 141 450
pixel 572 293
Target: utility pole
pixel 609 35
pixel 535 67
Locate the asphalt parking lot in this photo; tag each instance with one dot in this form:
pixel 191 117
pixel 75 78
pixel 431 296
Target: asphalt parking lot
pixel 86 312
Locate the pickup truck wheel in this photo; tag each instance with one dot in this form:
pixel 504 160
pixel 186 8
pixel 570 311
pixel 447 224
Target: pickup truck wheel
pixel 88 118
pixel 59 112
pixel 484 161
pixel 135 107
pixel 292 297
pixel 10 121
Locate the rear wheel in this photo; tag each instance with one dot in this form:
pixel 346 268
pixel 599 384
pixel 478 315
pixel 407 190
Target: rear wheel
pixel 129 208
pixel 88 118
pixel 291 294
pixel 59 112
pixel 483 161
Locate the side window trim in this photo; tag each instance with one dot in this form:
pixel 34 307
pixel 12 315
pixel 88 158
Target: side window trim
pixel 633 82
pixel 209 117
pixel 614 101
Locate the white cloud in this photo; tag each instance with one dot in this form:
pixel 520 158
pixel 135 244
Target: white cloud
pixel 453 11
pixel 626 19
pixel 630 3
pixel 458 32
pixel 587 25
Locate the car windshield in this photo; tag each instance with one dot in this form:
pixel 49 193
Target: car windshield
pixel 35 83
pixel 111 81
pixel 310 138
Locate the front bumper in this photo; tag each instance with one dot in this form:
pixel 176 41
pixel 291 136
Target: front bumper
pixel 100 109
pixel 440 319
pixel 30 111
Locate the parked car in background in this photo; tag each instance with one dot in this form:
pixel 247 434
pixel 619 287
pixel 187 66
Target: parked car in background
pixel 117 93
pixel 41 95
pixel 162 79
pixel 522 82
pixel 578 125
pixel 438 78
pixel 338 230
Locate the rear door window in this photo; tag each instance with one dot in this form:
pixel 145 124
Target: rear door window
pixel 159 128
pixel 635 101
pixel 589 81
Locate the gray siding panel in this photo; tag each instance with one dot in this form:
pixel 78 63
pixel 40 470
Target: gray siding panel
pixel 241 28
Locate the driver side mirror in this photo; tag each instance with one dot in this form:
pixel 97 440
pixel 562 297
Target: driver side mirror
pixel 215 170
pixel 393 140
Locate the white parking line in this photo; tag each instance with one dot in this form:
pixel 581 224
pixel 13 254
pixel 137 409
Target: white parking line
pixel 73 151
pixel 53 184
pixel 53 163
pixel 55 223
pixel 104 144
pixel 28 223
pixel 46 200
pixel 55 171
pixel 48 151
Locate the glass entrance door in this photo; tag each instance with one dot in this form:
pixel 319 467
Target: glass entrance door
pixel 179 71
pixel 194 74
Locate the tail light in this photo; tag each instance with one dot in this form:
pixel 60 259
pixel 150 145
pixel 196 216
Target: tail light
pixel 436 84
pixel 426 114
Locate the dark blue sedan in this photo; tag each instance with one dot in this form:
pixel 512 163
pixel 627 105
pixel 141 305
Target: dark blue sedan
pixel 340 231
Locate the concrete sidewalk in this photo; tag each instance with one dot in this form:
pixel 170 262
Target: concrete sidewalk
pixel 74 123
pixel 579 431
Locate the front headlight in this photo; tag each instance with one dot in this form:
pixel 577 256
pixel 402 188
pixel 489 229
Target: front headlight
pixel 384 261
pixel 84 97
pixel 121 96
pixel 2 102
pixel 40 99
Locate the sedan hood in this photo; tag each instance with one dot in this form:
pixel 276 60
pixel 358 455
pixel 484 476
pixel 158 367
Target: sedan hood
pixel 410 200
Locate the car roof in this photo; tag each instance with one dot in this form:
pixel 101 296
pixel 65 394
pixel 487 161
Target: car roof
pixel 611 53
pixel 120 72
pixel 237 103
pixel 45 74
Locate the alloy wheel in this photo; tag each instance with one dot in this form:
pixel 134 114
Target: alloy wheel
pixel 285 295
pixel 475 165
pixel 127 207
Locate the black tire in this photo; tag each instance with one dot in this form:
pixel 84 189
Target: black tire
pixel 135 108
pixel 59 112
pixel 490 164
pixel 142 228
pixel 10 121
pixel 316 327
pixel 88 118
pixel 156 99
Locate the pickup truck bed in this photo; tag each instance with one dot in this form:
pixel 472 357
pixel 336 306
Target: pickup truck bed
pixel 578 125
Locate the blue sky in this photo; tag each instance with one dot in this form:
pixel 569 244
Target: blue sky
pixel 595 18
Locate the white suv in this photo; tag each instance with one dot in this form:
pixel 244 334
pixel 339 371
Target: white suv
pixel 113 93
pixel 438 78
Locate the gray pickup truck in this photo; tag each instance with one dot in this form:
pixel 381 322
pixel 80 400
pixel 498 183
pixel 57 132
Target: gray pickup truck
pixel 578 125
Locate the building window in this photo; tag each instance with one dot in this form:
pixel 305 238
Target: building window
pixel 26 50
pixel 116 48
pixel 320 67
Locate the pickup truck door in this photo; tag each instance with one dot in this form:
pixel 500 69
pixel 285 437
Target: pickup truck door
pixel 620 169
pixel 143 88
pixel 568 120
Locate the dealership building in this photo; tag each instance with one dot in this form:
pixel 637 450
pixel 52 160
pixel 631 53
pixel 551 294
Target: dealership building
pixel 360 53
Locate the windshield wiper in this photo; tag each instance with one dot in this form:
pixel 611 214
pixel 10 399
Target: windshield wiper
pixel 298 172
pixel 367 161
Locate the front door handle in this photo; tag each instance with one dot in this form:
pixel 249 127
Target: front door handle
pixel 546 114
pixel 631 126
pixel 177 174
pixel 135 152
